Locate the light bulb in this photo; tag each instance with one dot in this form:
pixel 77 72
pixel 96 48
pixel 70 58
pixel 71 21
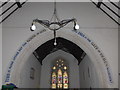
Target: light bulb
pixel 55 43
pixel 33 27
pixel 76 26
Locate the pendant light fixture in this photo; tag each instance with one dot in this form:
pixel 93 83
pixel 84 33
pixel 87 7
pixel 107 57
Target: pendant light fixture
pixel 54 24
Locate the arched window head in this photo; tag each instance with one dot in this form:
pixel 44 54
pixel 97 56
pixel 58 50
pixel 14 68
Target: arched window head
pixel 65 68
pixel 54 68
pixel 59 75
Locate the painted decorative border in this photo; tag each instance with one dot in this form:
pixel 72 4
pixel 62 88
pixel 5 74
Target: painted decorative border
pixel 99 52
pixel 7 78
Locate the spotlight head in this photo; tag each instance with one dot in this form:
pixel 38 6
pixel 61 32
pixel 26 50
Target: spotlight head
pixel 76 27
pixel 55 43
pixel 33 27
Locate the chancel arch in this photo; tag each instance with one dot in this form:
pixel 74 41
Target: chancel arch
pixel 40 39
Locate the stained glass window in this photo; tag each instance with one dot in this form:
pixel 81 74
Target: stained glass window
pixel 60 75
pixel 65 80
pixel 53 80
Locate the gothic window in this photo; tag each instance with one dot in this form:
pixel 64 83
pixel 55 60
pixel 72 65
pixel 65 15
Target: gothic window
pixel 53 80
pixel 65 80
pixel 59 75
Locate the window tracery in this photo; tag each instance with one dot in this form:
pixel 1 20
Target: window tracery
pixel 60 75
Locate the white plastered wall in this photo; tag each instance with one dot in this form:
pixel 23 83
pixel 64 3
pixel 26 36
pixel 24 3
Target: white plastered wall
pixel 88 76
pixel 93 23
pixel 72 64
pixel 25 80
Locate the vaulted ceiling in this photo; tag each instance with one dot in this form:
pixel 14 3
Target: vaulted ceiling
pixel 21 14
pixel 62 44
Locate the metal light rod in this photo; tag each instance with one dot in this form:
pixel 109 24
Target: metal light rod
pixel 48 24
pixel 54 25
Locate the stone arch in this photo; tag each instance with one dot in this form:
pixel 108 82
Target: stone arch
pixel 77 37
